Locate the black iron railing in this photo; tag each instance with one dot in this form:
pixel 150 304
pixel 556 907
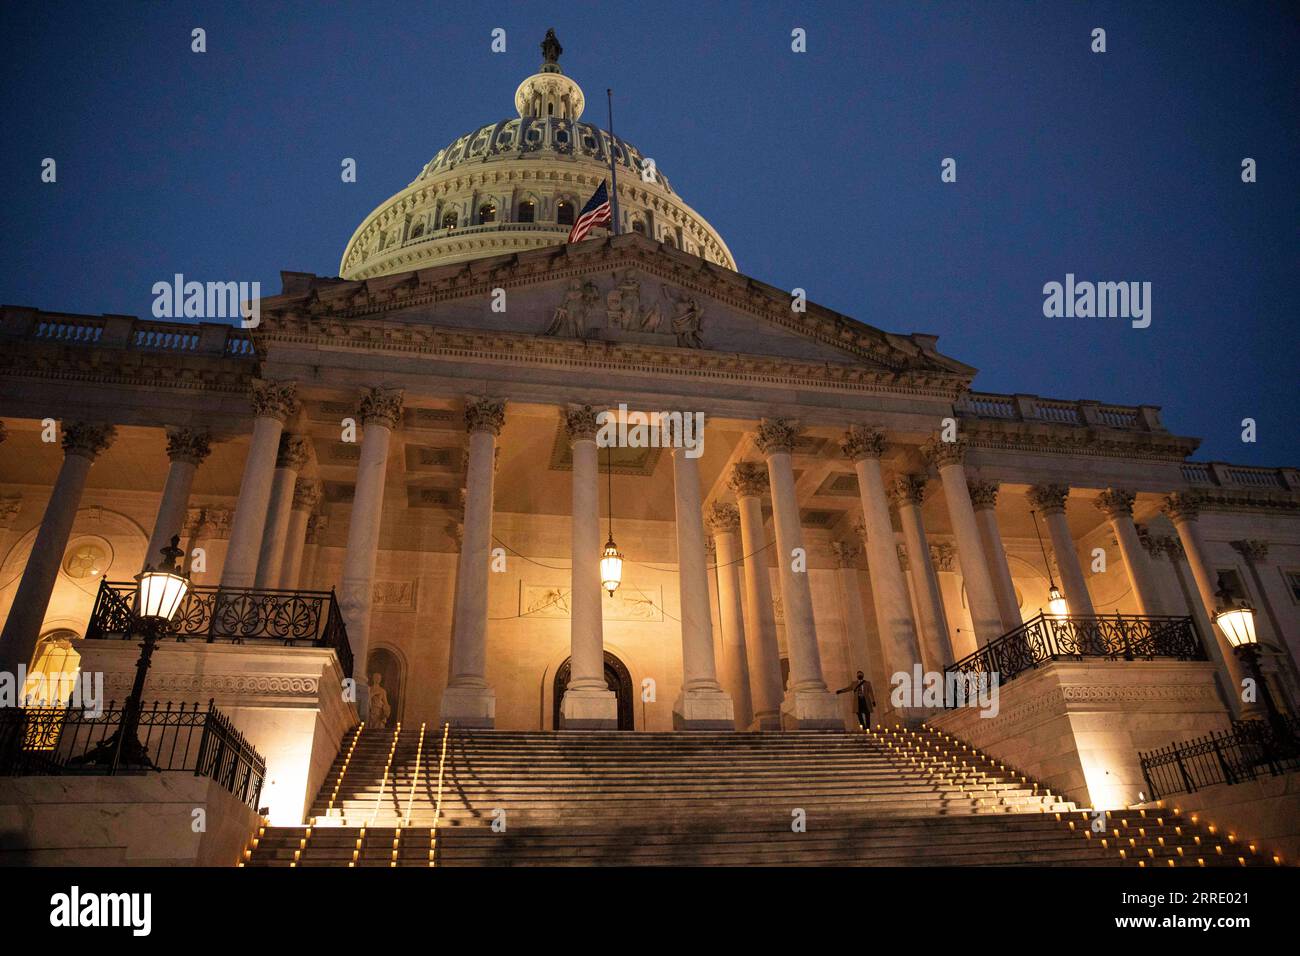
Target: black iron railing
pixel 239 615
pixel 59 740
pixel 1251 749
pixel 1049 638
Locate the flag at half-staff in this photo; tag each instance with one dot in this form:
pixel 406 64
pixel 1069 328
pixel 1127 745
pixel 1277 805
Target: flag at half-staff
pixel 595 213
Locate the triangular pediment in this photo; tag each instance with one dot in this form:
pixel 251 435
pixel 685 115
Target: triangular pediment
pixel 624 290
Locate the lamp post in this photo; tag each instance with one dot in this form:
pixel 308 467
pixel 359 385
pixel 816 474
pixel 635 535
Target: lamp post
pixel 1236 618
pixel 159 593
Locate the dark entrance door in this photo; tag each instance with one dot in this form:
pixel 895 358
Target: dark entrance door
pixel 617 679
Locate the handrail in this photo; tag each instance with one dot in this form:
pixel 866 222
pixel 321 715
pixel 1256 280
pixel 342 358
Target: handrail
pixel 1048 637
pixel 415 779
pixel 437 806
pixel 1248 750
pixel 383 783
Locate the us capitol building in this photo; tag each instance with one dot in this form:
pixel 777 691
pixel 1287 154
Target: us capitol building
pixel 394 507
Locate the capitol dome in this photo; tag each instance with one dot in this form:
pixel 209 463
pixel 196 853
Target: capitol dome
pixel 518 184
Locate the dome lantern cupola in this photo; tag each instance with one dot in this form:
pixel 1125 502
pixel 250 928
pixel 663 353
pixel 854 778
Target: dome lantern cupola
pixel 549 92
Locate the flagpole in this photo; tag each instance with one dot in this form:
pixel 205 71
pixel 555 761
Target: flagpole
pixel 613 172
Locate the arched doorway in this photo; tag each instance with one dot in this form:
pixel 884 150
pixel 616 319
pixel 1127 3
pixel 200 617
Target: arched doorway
pixel 617 678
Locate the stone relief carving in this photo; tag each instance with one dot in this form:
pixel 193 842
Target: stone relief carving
pixel 394 596
pixel 629 603
pixel 628 310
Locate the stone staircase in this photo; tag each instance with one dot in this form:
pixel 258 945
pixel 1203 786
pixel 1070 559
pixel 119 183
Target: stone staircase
pixel 892 796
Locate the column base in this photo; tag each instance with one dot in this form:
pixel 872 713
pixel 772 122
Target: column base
pixel 811 710
pixel 702 709
pixel 588 710
pixel 767 721
pixel 469 707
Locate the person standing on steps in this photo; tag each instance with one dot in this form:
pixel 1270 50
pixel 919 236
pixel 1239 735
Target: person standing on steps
pixel 866 700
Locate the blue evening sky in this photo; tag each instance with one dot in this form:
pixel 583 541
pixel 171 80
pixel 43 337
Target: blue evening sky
pixel 821 170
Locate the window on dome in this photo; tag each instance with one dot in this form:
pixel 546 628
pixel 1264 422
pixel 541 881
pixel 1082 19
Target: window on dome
pixel 668 241
pixel 449 220
pixel 487 212
pixel 638 226
pixel 417 231
pixel 564 213
pixel 527 211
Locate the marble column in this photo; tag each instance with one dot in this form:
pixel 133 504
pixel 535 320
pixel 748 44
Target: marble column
pixel 10 506
pixel 273 404
pixel 317 525
pixel 82 444
pixel 1049 501
pixel 379 411
pixel 864 446
pixel 1184 511
pixel 808 704
pixel 186 448
pixel 294 452
pixel 306 497
pixel 984 499
pixel 1117 506
pixel 469 700
pixel 947 457
pixel 908 491
pixel 588 703
pixel 749 483
pixel 702 703
pixel 724 522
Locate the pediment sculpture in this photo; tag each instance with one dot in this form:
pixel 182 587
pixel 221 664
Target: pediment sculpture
pixel 628 314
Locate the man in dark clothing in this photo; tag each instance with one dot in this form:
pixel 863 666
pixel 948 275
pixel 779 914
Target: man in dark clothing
pixel 866 700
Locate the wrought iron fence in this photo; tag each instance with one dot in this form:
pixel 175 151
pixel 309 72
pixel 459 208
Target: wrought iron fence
pixel 1048 638
pixel 239 615
pixel 57 740
pixel 1251 749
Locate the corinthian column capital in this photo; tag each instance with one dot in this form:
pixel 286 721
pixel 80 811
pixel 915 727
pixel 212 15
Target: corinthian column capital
pixel 1115 503
pixel 188 445
pixel 1049 499
pixel 942 453
pixel 87 439
pixel 776 435
pixel 485 415
pixel 907 490
pixel 294 452
pixel 306 494
pixel 1182 506
pixel 861 442
pixel 722 518
pixel 278 400
pixel 580 423
pixel 381 406
pixel 983 494
pixel 748 479
pixel 1252 549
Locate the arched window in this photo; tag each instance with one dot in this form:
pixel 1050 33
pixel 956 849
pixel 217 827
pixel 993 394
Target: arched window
pixel 638 226
pixel 527 210
pixel 417 230
pixel 668 241
pixel 487 212
pixel 564 213
pixel 54 669
pixel 449 220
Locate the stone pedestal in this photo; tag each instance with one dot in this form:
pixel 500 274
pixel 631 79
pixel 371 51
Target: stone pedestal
pixel 287 701
pixel 1077 727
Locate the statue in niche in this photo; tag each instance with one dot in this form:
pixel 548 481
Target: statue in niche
pixel 571 314
pixel 688 318
pixel 380 709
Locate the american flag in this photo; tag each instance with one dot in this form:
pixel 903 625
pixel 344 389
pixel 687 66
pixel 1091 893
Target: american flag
pixel 595 213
